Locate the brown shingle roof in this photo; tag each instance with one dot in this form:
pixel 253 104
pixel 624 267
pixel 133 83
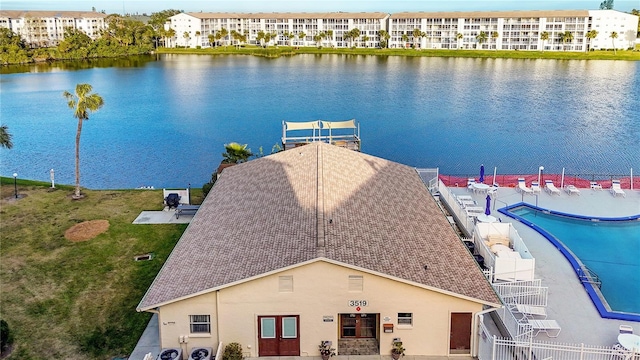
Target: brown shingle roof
pixel 290 15
pixel 312 201
pixel 50 14
pixel 490 14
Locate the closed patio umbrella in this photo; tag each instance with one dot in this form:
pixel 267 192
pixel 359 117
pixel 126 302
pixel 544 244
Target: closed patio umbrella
pixel 487 210
pixel 481 178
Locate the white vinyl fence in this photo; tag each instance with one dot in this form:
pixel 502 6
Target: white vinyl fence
pixel 491 347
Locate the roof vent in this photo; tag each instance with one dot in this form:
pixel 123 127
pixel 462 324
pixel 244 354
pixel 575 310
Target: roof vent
pixel 426 267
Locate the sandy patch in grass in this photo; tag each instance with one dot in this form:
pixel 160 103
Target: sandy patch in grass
pixel 86 230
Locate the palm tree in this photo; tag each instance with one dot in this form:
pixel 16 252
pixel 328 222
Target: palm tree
pixel 5 137
pixel 417 34
pixel 482 37
pixel 614 36
pixel 495 35
pixel 198 38
pixel 212 39
pixel 317 38
pixel 259 37
pixel 236 153
pixel 590 35
pixel 384 36
pixel 289 37
pixel 82 103
pixel 544 36
pixel 171 33
pixel 330 36
pixel 223 34
pixel 405 39
pixel 355 32
pixel 459 37
pixel 186 38
pixel 365 38
pixel 566 37
pixel 302 36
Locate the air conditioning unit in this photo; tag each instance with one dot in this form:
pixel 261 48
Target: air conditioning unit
pixel 201 353
pixel 170 354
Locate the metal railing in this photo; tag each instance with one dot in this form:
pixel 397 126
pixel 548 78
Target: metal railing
pixel 494 348
pixel 523 295
pixel 587 275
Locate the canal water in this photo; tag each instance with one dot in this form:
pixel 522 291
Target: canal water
pixel 167 117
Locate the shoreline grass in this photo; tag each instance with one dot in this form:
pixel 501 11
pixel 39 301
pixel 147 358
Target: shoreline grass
pixel 77 300
pixel 273 52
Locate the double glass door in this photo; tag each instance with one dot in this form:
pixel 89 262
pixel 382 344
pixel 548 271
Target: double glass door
pixel 358 325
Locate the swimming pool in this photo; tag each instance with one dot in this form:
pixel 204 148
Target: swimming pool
pixel 608 247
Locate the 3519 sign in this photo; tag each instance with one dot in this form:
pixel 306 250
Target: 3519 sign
pixel 353 303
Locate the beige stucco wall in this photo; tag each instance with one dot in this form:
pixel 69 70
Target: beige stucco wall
pixel 173 322
pixel 320 289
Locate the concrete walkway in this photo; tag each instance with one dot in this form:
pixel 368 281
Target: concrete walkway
pixel 149 342
pixel 162 217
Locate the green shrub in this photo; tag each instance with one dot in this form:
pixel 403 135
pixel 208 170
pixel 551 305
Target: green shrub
pixel 232 351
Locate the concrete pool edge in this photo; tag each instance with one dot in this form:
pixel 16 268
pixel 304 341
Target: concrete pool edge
pixel 594 293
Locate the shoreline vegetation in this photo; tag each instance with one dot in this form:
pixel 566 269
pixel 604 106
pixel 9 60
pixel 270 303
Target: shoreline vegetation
pixel 275 52
pixel 53 56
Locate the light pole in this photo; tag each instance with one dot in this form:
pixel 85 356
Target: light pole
pixel 15 184
pixel 540 169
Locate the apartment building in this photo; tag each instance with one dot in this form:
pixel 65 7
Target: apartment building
pixel 513 30
pixel 46 28
pixel 193 29
pixel 504 30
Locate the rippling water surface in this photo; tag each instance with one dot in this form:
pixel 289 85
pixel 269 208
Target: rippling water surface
pixel 165 120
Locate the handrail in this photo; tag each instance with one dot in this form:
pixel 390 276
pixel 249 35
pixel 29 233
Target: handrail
pixel 589 276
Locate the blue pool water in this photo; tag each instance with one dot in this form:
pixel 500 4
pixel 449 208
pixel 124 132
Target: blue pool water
pixel 610 248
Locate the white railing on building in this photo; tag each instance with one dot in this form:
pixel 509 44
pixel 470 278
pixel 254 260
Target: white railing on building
pixel 430 178
pixel 524 295
pixel 462 218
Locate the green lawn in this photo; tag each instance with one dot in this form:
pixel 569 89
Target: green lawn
pixel 503 54
pixel 69 300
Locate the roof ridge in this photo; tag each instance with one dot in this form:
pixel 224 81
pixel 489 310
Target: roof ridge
pixel 320 234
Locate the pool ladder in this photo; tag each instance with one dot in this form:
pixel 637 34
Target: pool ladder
pixel 589 276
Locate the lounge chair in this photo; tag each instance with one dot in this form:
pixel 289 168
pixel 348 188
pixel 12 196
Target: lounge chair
pixel 616 189
pixel 551 188
pixel 535 187
pixel 595 186
pixel 550 327
pixel 470 183
pixel 571 189
pixel 625 329
pixel 522 187
pixel 493 191
pixel 529 311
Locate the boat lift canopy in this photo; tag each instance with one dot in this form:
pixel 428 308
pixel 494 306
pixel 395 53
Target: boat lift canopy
pixel 340 133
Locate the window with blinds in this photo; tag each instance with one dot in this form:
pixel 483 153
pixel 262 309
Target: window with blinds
pixel 200 324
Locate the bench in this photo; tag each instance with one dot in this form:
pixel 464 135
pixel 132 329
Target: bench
pixel 186 210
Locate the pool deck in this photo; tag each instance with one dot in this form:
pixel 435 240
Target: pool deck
pixel 568 302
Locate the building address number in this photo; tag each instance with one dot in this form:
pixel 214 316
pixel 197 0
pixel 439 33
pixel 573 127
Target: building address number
pixel 358 303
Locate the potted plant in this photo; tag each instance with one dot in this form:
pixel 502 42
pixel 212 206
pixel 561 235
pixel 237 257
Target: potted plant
pixel 326 351
pixel 397 350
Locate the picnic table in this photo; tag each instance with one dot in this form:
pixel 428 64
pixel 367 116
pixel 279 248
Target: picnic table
pixel 186 210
